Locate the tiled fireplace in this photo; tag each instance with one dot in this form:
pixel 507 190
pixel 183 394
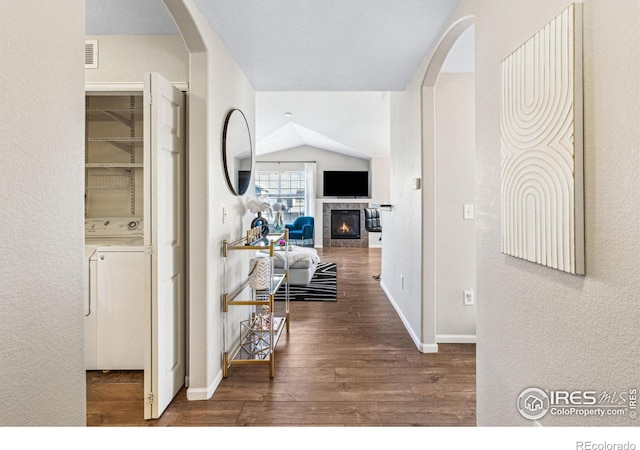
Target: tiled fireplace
pixel 343 225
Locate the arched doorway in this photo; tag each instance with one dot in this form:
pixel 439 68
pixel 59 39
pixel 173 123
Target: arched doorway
pixel 432 252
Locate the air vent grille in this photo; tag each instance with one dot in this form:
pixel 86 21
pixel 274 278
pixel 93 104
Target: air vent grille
pixel 91 54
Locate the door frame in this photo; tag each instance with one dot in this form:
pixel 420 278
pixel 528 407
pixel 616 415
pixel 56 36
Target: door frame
pixel 428 337
pixel 115 88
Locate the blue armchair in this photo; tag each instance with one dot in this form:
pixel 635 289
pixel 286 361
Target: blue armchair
pixel 301 229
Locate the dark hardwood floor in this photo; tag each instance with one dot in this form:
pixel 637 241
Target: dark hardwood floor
pixel 344 363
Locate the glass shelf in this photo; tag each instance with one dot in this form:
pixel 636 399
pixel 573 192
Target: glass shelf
pixel 255 340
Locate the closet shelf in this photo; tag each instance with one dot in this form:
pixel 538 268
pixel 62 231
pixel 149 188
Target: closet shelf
pixel 123 143
pixel 116 139
pixel 114 110
pixel 113 165
pixel 118 114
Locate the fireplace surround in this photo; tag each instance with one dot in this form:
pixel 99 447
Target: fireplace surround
pixel 328 242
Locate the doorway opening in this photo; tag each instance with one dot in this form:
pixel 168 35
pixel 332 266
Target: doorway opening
pixel 448 140
pixel 128 154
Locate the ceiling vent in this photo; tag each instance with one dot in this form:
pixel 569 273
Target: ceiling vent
pixel 91 54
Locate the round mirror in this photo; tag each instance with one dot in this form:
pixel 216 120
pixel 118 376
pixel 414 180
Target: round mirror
pixel 236 151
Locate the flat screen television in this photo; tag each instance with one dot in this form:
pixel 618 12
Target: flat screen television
pixel 346 183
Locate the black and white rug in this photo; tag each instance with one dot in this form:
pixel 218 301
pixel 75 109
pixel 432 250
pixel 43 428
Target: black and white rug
pixel 322 287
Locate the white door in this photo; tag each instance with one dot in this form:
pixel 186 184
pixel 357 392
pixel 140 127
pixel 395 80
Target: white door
pixel 164 204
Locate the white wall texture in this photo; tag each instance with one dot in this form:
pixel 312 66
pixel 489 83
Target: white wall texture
pixel 401 251
pixel 455 186
pixel 538 326
pixel 124 59
pixel 380 186
pixel 42 376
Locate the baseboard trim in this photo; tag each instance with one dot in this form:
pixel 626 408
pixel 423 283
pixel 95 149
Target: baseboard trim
pixel 428 348
pixel 456 338
pixel 422 347
pixel 205 393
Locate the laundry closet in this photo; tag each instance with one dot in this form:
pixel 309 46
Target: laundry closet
pixel 135 235
pixel 114 232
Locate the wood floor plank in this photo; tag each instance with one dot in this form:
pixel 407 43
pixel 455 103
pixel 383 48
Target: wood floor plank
pixel 345 363
pixel 354 413
pixel 329 392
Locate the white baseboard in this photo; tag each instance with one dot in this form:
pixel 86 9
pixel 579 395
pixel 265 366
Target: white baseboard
pixel 207 392
pixel 428 348
pixel 422 347
pixel 456 338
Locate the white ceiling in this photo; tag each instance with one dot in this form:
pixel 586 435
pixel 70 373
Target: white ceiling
pixel 328 45
pixel 352 123
pixel 309 57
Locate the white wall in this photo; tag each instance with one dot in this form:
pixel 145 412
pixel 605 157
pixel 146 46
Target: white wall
pixel 461 57
pixel 380 185
pixel 124 59
pixel 216 85
pixel 538 326
pixel 380 193
pixel 401 252
pixel 42 376
pixel 325 159
pixel 455 237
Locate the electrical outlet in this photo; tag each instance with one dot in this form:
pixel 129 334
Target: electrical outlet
pixel 468 297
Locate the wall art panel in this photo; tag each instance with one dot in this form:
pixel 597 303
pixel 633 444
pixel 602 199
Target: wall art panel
pixel 542 147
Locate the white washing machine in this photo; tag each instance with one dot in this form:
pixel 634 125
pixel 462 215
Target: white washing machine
pixel 114 303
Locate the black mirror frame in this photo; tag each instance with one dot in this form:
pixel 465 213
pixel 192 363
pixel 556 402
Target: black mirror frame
pixel 234 189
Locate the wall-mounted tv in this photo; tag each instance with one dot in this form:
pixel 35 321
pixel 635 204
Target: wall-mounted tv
pixel 346 183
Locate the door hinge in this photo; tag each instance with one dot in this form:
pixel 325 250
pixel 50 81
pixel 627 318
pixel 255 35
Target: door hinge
pixel 149 250
pixel 150 398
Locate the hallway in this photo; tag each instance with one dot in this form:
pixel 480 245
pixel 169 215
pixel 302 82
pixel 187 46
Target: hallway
pixel 344 363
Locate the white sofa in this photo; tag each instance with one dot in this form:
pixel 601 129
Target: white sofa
pixel 303 262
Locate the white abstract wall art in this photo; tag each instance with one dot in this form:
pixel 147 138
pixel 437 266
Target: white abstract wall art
pixel 542 147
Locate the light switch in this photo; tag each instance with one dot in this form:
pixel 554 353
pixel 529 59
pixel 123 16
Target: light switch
pixel 468 297
pixel 224 214
pixel 468 212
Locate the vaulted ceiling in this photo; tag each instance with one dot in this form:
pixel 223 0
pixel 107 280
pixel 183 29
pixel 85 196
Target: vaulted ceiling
pixel 326 51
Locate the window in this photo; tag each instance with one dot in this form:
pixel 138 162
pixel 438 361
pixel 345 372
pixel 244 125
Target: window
pixel 286 187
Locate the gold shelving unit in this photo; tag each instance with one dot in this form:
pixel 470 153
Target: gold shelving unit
pixel 260 333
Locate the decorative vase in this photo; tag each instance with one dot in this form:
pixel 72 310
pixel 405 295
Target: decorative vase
pixel 277 221
pixel 261 222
